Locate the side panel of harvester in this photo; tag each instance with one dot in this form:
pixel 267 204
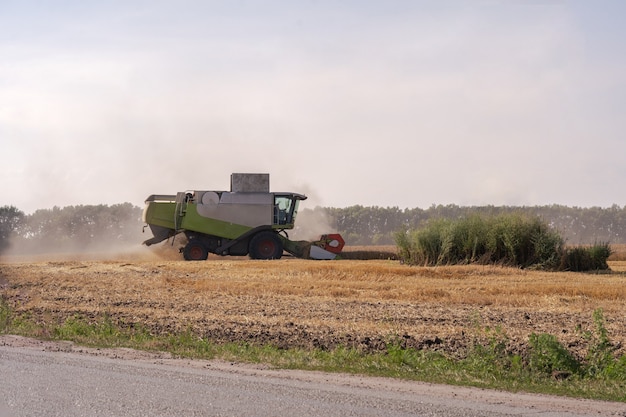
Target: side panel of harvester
pixel 166 217
pixel 231 214
pixel 224 214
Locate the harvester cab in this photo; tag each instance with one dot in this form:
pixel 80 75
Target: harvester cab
pixel 247 220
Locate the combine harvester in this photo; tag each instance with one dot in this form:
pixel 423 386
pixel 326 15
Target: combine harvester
pixel 247 220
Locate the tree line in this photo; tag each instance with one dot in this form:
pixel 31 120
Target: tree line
pixel 70 229
pixel 96 227
pixel 362 225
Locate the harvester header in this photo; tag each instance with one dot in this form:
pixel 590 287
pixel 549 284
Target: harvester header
pixel 247 220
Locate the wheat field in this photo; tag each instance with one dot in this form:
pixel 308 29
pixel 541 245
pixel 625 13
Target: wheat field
pixel 363 304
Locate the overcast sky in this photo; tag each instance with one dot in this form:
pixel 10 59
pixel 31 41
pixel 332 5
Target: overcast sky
pixel 387 103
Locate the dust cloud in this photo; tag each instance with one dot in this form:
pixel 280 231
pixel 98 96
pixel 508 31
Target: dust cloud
pixel 310 224
pixel 79 233
pixel 20 250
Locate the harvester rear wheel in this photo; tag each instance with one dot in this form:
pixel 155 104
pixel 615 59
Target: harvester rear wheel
pixel 195 251
pixel 266 245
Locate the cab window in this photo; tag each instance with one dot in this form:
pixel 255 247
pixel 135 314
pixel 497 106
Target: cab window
pixel 283 211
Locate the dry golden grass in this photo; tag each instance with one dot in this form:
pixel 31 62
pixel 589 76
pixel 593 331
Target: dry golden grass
pixel 293 302
pixel 619 253
pixel 370 252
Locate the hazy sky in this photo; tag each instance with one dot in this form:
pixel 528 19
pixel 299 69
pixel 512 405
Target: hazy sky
pixel 388 103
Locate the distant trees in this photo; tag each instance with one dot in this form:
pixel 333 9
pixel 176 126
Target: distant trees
pixel 97 227
pixel 73 228
pixel 376 225
pixel 10 221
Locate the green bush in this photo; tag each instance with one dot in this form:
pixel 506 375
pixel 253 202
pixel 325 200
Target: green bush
pixel 507 239
pixel 548 356
pixel 581 258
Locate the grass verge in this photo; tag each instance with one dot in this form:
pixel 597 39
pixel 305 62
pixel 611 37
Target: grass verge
pixel 548 368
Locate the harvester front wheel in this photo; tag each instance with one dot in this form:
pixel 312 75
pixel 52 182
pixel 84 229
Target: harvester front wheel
pixel 266 245
pixel 195 251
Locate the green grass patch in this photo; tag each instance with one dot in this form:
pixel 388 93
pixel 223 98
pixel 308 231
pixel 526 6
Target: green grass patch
pixel 547 367
pixel 5 315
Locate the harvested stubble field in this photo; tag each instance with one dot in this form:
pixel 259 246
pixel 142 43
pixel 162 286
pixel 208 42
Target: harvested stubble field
pixel 363 304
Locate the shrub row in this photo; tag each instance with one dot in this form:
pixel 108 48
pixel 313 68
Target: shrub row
pixel 509 239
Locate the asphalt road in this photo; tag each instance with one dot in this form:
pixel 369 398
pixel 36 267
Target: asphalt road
pixel 44 379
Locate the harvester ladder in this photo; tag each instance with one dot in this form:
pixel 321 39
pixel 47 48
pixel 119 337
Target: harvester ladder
pixel 179 212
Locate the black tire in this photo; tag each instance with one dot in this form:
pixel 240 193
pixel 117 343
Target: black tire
pixel 265 245
pixel 195 251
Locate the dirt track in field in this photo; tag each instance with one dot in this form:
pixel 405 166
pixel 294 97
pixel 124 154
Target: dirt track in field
pixel 314 304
